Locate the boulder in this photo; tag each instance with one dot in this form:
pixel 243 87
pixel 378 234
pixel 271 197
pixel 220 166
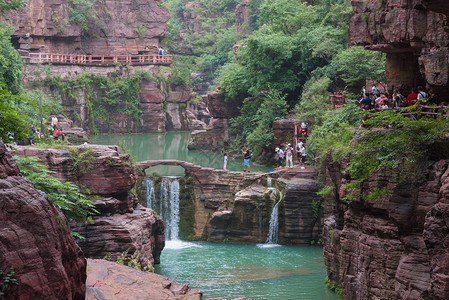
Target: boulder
pixel 112 233
pixel 108 280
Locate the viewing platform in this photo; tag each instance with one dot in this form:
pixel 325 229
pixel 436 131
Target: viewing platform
pixel 81 59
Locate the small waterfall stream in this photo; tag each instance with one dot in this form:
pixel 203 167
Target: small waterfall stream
pixel 168 207
pixel 272 237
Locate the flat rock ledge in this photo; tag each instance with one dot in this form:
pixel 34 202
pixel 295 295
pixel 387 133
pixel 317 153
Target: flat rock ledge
pixel 109 280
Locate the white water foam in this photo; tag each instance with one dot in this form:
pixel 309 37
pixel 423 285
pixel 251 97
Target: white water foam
pixel 178 244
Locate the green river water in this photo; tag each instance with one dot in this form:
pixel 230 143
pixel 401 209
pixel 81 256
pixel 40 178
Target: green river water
pixel 172 145
pixel 223 271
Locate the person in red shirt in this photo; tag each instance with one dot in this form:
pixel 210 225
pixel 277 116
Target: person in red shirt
pixel 411 98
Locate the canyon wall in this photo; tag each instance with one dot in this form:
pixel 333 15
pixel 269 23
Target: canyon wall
pixel 95 27
pixel 415 36
pixel 122 224
pixel 36 243
pixel 395 248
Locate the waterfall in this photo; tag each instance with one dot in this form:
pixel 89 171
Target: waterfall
pixel 168 207
pixel 269 183
pixel 272 237
pixel 150 193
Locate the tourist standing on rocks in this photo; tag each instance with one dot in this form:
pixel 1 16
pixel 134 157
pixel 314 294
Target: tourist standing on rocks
pixel 225 163
pixel 280 153
pixel 375 91
pixel 54 121
pixel 298 153
pixel 246 157
pixel 289 156
pixel 302 150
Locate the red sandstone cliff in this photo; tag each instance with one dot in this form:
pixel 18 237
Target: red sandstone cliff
pixel 36 241
pixel 122 224
pixel 391 249
pixel 415 36
pixel 110 27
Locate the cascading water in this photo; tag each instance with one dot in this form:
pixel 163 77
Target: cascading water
pixel 150 193
pixel 272 237
pixel 168 205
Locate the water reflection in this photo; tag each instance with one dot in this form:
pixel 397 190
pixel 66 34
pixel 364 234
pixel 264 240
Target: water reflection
pixel 172 145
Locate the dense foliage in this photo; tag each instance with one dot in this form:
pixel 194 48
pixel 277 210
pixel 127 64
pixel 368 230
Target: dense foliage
pixel 260 113
pixel 104 95
pixel 65 195
pixel 394 142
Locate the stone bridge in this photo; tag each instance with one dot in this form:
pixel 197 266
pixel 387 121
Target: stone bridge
pixel 189 167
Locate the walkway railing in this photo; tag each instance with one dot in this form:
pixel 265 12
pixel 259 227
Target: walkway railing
pixel 337 99
pixel 80 59
pixel 418 112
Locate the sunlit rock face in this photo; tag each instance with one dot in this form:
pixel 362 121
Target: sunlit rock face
pixel 110 27
pixel 415 36
pixel 396 248
pixel 36 241
pixel 106 280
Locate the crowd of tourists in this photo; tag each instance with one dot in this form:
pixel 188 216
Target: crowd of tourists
pixel 54 131
pixel 284 154
pixel 375 99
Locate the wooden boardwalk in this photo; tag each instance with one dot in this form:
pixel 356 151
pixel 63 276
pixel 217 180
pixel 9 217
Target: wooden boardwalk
pixel 80 59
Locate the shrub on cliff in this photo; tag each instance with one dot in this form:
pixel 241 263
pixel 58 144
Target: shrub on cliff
pixel 65 195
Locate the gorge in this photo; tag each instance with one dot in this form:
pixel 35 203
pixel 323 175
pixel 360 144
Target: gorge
pixel 169 205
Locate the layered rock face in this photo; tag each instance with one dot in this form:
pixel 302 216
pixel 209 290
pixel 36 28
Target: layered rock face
pixel 415 36
pixel 396 248
pixel 98 27
pixel 236 206
pixel 216 135
pixel 107 280
pixel 109 176
pixel 36 241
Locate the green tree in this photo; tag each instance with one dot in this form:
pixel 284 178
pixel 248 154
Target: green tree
pixel 6 5
pixel 10 61
pixel 314 101
pixel 257 119
pixel 10 119
pixel 357 64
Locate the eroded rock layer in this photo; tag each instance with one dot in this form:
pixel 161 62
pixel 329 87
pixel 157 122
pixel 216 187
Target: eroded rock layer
pixel 415 36
pixel 35 241
pixel 109 176
pixel 101 27
pixel 396 248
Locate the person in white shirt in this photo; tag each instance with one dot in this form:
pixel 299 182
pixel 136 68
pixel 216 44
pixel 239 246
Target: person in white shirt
pixel 302 150
pixel 225 162
pixel 289 156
